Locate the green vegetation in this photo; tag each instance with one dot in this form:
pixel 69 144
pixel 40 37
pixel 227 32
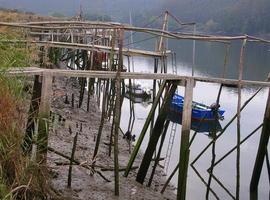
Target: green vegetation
pixel 20 177
pixel 227 16
pixel 12 54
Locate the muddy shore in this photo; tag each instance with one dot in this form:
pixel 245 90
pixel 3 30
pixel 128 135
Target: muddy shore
pixel 86 185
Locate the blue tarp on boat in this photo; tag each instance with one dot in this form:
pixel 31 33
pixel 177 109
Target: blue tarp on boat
pixel 199 111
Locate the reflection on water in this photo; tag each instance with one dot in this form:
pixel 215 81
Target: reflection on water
pixel 209 62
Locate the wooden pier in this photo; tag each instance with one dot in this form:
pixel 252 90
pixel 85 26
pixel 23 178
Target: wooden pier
pixel 95 50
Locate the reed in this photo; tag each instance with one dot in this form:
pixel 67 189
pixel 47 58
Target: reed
pixel 20 178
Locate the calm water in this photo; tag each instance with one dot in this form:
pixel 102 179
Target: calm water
pixel 209 62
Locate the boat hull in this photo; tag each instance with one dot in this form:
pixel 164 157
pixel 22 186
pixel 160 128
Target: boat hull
pixel 206 126
pixel 199 111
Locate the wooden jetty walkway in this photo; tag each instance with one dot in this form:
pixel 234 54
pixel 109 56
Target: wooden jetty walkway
pixel 95 50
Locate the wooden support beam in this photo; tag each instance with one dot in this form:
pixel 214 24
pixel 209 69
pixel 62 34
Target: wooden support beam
pixel 144 130
pixel 71 160
pixel 130 75
pixel 240 77
pixel 184 146
pixel 262 149
pixel 93 47
pixel 32 115
pixel 161 45
pixel 44 114
pixel 117 117
pixel 102 119
pixel 157 131
pixel 157 159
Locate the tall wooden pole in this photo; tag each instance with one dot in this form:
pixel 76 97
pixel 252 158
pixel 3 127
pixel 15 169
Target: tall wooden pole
pixel 185 133
pixel 44 114
pixel 240 78
pixel 161 45
pixel 262 149
pixel 154 138
pixel 118 112
pixel 32 114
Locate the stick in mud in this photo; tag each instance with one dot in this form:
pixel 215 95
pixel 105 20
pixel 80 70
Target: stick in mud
pixel 72 100
pixel 71 160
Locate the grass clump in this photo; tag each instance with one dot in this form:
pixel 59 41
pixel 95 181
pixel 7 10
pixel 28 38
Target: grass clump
pixel 20 177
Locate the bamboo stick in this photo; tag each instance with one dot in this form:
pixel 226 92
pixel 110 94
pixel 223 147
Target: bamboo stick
pixel 118 113
pixel 71 160
pixel 240 77
pixel 89 167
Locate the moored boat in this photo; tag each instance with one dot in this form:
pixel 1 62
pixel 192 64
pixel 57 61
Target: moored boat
pixel 138 99
pixel 136 90
pixel 199 111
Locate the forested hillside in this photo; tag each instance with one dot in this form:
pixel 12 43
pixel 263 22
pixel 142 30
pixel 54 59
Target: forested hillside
pixel 226 16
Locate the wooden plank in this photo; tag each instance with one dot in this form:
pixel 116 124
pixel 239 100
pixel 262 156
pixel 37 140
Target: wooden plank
pixel 151 76
pixel 23 71
pixel 134 75
pixel 94 47
pixel 184 146
pixel 46 93
pixel 126 51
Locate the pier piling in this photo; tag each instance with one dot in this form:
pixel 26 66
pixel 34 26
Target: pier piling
pixel 262 149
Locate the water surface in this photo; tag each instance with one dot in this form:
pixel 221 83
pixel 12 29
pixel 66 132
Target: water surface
pixel 209 62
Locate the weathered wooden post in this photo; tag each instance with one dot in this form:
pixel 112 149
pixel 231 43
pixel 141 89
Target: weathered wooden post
pixel 104 100
pixel 157 130
pixel 32 114
pixel 44 115
pixel 110 102
pixel 262 149
pixel 145 127
pixel 164 131
pixel 72 160
pixel 118 111
pixel 185 133
pixel 240 77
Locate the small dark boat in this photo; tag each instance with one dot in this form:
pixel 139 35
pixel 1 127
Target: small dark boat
pixel 229 85
pixel 138 99
pixel 136 90
pixel 199 111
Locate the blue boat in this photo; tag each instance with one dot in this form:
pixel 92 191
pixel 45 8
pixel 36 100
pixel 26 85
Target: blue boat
pixel 199 111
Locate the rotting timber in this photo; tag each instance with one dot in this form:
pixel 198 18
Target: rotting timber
pixel 93 52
